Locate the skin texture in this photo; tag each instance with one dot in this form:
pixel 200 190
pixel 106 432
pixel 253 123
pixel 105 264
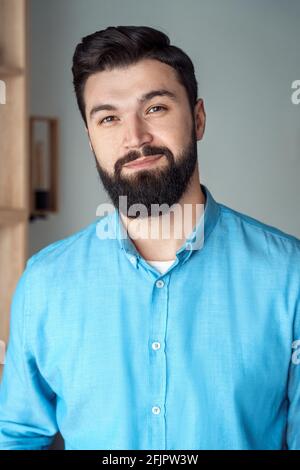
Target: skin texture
pixel 140 129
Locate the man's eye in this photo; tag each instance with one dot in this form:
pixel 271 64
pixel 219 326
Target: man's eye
pixel 153 107
pixel 104 119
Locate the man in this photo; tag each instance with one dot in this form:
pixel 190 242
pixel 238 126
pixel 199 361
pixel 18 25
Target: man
pixel 124 340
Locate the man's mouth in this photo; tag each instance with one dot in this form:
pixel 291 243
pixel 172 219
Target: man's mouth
pixel 143 161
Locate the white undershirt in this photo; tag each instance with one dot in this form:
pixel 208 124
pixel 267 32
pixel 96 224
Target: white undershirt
pixel 161 266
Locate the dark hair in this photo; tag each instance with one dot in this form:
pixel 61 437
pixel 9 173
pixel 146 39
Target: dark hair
pixel 118 46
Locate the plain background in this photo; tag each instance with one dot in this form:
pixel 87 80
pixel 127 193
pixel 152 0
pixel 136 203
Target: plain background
pixel 246 56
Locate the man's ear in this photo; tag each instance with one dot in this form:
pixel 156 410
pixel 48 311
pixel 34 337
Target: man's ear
pixel 200 118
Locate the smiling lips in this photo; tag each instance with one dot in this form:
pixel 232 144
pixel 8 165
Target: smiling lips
pixel 143 161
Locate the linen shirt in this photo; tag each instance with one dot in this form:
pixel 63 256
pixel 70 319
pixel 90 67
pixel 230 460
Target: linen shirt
pixel 116 355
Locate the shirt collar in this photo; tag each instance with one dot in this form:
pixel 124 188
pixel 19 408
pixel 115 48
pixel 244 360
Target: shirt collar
pixel 196 241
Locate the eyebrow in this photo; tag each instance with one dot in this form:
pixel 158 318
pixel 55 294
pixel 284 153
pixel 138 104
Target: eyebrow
pixel 146 97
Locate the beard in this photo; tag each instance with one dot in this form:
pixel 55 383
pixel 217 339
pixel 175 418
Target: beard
pixel 159 186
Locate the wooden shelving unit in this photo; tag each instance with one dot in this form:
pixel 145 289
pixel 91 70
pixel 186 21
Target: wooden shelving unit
pixel 14 168
pixel 10 71
pixel 10 216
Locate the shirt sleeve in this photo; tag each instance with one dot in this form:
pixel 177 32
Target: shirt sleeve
pixel 27 404
pixel 293 425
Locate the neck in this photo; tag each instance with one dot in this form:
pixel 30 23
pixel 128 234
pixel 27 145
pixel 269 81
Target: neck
pixel 159 238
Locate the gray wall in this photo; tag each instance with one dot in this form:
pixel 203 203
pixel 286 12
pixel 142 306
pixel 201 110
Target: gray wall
pixel 246 55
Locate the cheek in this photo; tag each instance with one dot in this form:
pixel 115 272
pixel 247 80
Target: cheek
pixel 176 129
pixel 174 137
pixel 106 153
pixel 107 161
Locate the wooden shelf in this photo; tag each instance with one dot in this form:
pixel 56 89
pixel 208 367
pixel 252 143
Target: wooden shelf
pixel 9 216
pixel 7 71
pixel 14 163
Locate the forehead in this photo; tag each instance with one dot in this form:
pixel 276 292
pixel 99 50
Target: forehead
pixel 130 82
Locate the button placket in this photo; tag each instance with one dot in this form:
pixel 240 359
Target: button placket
pixel 158 363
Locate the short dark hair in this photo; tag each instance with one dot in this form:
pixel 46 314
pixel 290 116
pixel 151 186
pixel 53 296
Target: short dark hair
pixel 120 46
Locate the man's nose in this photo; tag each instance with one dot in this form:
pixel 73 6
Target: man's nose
pixel 136 133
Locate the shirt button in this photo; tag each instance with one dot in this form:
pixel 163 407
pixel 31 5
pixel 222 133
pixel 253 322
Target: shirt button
pixel 156 410
pixel 155 345
pixel 132 259
pixel 160 283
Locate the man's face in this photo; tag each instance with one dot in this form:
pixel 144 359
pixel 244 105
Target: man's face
pixel 127 119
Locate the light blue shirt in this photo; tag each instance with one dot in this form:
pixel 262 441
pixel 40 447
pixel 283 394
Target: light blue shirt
pixel 116 355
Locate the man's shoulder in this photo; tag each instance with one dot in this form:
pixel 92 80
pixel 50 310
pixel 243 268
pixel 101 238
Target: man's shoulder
pixel 261 231
pixel 63 250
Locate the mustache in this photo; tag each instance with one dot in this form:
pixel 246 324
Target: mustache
pixel 146 151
